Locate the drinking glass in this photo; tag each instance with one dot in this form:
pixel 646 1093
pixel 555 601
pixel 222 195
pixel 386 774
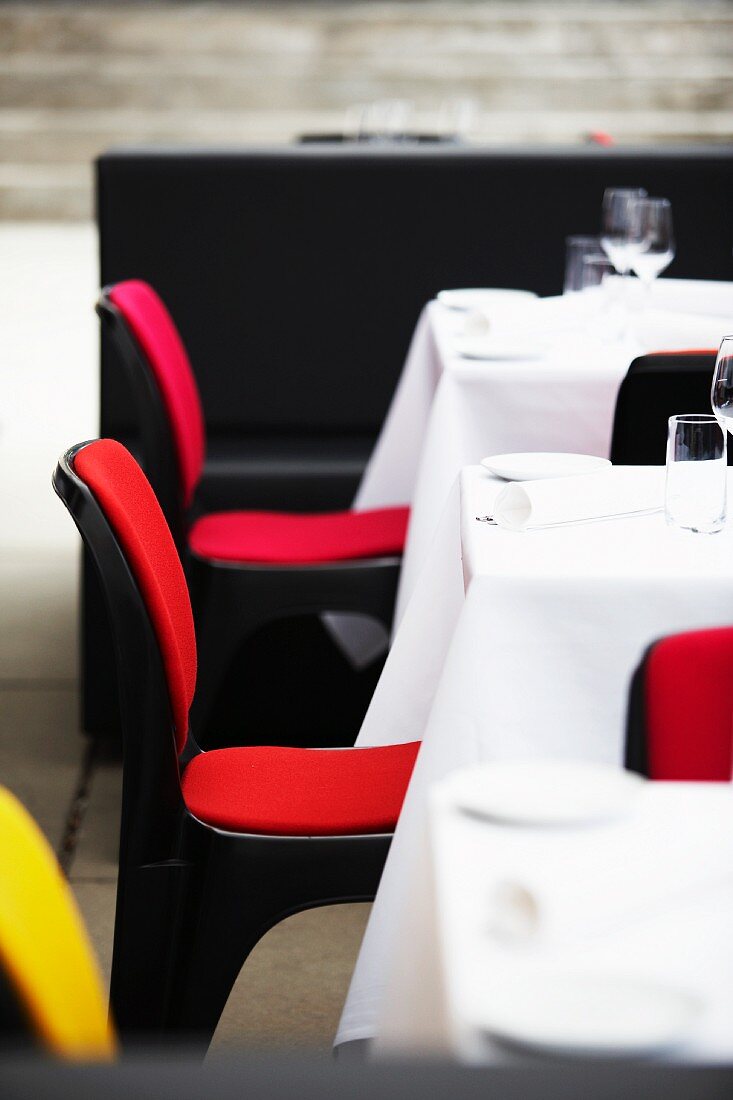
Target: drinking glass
pixel 576 249
pixel 457 118
pixel 721 396
pixel 620 225
pixel 385 120
pixel 594 269
pixel 600 314
pixel 655 251
pixel 697 470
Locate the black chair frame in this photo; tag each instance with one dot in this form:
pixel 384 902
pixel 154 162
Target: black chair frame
pixel 231 600
pixel 636 756
pixel 192 900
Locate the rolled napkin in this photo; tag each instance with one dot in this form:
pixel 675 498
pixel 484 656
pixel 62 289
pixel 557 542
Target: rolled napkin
pixel 505 316
pixel 573 850
pixel 476 323
pixel 615 491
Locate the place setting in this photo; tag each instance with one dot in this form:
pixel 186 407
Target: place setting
pixel 554 489
pixel 556 916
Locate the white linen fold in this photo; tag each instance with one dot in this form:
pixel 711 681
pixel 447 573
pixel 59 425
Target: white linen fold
pixel 612 492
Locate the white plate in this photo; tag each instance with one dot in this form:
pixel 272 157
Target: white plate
pixel 536 465
pixel 598 1015
pixel 546 792
pixel 477 298
pixel 500 347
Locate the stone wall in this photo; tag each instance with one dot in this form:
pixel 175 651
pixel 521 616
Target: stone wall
pixel 78 77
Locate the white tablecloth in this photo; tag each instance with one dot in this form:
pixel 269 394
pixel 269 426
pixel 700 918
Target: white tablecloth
pixel 535 660
pixel 449 412
pixel 648 895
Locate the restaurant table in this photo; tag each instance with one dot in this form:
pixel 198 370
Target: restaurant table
pixel 645 893
pixel 449 412
pixel 519 644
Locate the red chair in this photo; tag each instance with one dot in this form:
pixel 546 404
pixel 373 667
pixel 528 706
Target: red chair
pixel 245 568
pixel 680 713
pixel 215 847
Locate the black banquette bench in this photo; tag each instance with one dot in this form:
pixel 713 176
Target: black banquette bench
pixel 296 275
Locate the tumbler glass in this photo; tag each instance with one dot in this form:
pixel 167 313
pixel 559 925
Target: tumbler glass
pixel 576 249
pixel 695 497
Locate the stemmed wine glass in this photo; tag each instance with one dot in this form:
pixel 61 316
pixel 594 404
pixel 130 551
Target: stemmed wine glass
pixel 620 225
pixel 721 396
pixel 655 251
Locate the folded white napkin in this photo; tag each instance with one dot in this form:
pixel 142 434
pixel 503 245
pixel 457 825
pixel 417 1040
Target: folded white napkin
pixel 614 491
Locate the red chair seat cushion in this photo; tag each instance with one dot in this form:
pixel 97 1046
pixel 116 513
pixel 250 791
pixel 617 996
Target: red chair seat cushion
pixel 300 792
pixel 293 539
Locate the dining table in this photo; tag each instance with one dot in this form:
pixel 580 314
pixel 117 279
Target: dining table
pixel 550 384
pixel 568 911
pixel 516 644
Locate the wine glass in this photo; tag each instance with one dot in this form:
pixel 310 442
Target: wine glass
pixel 620 225
pixel 655 251
pixel 721 395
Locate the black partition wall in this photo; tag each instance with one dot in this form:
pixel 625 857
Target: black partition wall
pixel 297 274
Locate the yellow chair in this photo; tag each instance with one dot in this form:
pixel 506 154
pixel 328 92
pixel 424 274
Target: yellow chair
pixel 46 959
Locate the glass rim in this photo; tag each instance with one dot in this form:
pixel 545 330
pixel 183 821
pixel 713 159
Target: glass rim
pixel 694 418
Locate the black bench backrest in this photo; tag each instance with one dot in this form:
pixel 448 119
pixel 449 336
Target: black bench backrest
pixel 296 274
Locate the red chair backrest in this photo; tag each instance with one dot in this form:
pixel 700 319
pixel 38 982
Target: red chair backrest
pixel 158 338
pixel 688 697
pixel 130 506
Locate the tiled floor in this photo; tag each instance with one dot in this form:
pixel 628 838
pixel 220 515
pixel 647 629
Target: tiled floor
pixel 291 989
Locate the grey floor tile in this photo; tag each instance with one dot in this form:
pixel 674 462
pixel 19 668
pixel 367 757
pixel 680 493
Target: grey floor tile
pixel 38 614
pixel 96 901
pixel 291 989
pixel 98 840
pixel 40 752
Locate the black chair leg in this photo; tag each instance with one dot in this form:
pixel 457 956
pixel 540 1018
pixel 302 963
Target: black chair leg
pixel 247 887
pixel 149 903
pixel 223 932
